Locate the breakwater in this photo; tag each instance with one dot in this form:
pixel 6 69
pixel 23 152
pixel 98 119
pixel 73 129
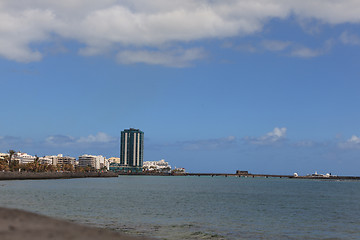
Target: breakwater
pixel 52 175
pixel 273 176
pixel 248 175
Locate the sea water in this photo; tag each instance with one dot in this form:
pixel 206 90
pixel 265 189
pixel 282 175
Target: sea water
pixel 197 207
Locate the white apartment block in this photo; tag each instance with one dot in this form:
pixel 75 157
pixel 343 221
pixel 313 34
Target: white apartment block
pixel 161 166
pixel 23 158
pixel 45 160
pixel 66 160
pixel 60 159
pixel 54 158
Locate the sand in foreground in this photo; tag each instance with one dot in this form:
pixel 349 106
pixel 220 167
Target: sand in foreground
pixel 19 225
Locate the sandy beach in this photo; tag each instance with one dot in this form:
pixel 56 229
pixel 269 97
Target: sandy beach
pixel 17 224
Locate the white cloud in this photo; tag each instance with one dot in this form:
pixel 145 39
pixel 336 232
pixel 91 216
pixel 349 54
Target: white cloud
pixel 305 52
pixel 348 38
pixel 98 138
pixel 19 29
pixel 62 140
pixel 174 58
pixel 58 140
pixel 289 48
pixel 354 139
pixel 277 135
pixel 310 26
pixel 352 143
pixel 109 25
pixel 332 12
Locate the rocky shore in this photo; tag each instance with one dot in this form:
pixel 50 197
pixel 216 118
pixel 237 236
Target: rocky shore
pixel 17 225
pixel 52 175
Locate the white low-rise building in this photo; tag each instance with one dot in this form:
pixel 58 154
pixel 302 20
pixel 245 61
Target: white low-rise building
pixel 54 158
pixel 23 158
pixel 45 160
pixel 159 166
pixel 3 155
pixel 97 162
pixel 66 160
pixel 60 159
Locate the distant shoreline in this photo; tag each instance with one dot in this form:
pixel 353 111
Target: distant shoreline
pixel 52 175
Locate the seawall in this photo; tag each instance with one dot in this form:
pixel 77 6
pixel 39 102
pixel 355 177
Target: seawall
pixel 52 175
pixel 248 175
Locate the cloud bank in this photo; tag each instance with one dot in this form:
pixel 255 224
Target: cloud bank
pixel 62 140
pixel 120 26
pixel 100 143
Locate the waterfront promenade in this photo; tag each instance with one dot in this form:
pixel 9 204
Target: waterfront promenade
pixel 52 175
pixel 248 175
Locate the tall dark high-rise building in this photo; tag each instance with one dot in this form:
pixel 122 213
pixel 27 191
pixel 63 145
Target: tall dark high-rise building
pixel 132 148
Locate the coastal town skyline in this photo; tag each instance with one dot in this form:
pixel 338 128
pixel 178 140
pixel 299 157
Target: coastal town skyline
pixel 265 86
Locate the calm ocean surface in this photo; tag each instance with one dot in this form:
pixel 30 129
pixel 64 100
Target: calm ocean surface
pixel 197 207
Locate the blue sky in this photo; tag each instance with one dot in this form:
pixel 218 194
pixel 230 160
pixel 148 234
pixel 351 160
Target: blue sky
pixel 265 86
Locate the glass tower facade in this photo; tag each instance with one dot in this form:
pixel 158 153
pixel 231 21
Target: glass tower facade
pixel 132 148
